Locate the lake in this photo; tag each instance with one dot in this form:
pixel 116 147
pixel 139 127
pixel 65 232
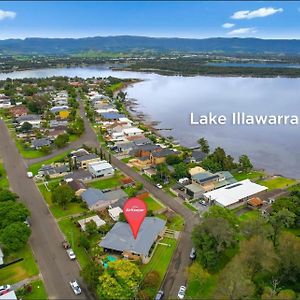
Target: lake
pixel 171 99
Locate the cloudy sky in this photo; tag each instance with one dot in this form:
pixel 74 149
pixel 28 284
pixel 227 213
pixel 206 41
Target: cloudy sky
pixel 264 19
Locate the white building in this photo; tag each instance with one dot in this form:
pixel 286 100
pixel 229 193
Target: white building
pixel 99 222
pixel 132 131
pixel 115 212
pixel 101 169
pixel 234 194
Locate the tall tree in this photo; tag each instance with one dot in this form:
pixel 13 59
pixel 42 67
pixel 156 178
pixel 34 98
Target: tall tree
pixel 245 163
pixel 204 146
pixel 62 195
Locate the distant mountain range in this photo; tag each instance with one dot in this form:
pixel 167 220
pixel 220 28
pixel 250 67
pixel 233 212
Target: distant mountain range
pixel 139 43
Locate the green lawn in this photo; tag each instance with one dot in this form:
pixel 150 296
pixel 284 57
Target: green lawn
pixel 152 204
pixel 38 292
pixel 249 215
pixel 35 167
pixel 126 160
pixel 277 183
pixel 72 233
pixel 3 179
pixel 107 183
pixel 57 211
pixel 201 284
pixel 253 175
pixel 21 270
pixel 174 223
pixel 160 261
pixel 28 152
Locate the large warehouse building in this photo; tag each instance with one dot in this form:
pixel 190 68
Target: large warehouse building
pixel 235 194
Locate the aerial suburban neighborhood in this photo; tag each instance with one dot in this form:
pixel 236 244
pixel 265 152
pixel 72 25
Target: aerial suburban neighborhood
pixel 108 191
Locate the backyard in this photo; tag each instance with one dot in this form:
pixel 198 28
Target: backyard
pixel 38 291
pixel 107 183
pixel 21 270
pixel 253 175
pixel 277 183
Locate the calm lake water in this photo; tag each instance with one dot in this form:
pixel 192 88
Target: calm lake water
pixel 171 99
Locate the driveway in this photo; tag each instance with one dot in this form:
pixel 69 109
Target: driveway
pixel 56 269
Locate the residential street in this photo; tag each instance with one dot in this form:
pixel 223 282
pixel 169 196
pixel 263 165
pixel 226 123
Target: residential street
pixel 56 268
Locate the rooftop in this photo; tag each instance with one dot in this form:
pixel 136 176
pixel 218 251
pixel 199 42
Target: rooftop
pixel 232 193
pixel 101 165
pixel 99 222
pixel 120 237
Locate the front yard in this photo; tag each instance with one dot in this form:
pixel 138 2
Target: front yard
pixel 21 270
pixel 3 178
pixel 73 208
pixel 38 292
pixel 107 183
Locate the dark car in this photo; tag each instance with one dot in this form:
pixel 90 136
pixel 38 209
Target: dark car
pixel 159 295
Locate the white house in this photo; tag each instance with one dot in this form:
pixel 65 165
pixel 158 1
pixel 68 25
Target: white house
pixel 114 213
pixel 132 131
pixel 101 169
pixel 234 194
pixel 99 222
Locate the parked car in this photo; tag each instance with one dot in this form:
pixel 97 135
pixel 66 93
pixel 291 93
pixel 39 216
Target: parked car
pixel 159 186
pixel 65 245
pixel 159 295
pixel 71 254
pixel 181 292
pixel 4 289
pixel 193 253
pixel 29 174
pixel 203 202
pixel 75 287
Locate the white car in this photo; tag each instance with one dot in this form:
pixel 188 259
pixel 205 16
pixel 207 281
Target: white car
pixel 75 287
pixel 159 186
pixel 4 289
pixel 29 174
pixel 71 254
pixel 181 292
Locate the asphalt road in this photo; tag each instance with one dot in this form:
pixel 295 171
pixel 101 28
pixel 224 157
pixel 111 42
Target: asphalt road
pixel 56 268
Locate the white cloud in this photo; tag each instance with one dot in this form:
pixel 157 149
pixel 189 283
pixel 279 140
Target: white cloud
pixel 228 25
pixel 259 13
pixel 242 31
pixel 7 15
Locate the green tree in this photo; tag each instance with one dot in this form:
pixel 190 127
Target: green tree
pixel 245 163
pixel 91 228
pixel 203 145
pixel 222 213
pixel 279 220
pixel 173 159
pixel 151 280
pixel 12 212
pixel 91 273
pixel 181 170
pixel 7 195
pixel 119 281
pixel 61 140
pixel 211 239
pixel 26 126
pixel 84 241
pixel 15 236
pixel 62 195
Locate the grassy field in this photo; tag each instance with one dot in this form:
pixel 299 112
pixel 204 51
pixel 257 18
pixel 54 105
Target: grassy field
pixel 72 234
pixel 107 183
pixel 38 292
pixel 174 223
pixel 3 179
pixel 35 167
pixel 201 284
pixel 21 270
pixel 57 211
pixel 253 175
pixel 28 152
pixel 277 183
pixel 160 261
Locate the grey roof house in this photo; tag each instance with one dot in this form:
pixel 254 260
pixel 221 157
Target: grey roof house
pixel 120 238
pixel 97 199
pixel 39 143
pixel 79 175
pixel 54 171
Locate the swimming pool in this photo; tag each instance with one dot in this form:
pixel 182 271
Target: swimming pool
pixel 107 260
